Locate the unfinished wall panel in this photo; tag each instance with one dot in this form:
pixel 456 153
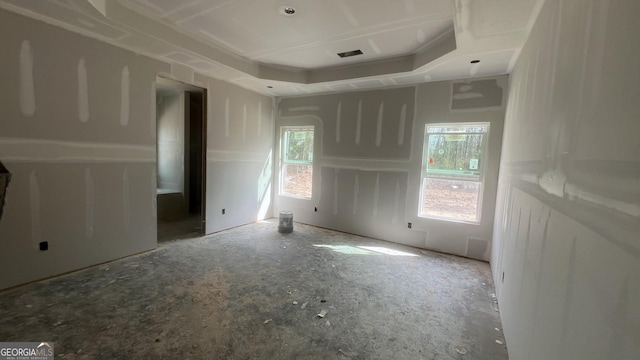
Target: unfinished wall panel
pixel 80 178
pixel 568 219
pixel 239 149
pixel 361 124
pixel 369 156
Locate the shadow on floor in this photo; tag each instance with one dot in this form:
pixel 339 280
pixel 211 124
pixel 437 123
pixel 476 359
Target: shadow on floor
pixel 184 228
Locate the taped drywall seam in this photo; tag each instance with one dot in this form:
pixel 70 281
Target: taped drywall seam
pixel 569 304
pixel 304 108
pixel 523 267
pixel 124 97
pixel 358 122
pixel 338 121
pixel 376 196
pixel 89 203
pixel 396 205
pixel 259 119
pixel 226 117
pixel 126 211
pixel 421 37
pixel 402 125
pixel 474 69
pixel 379 125
pixel 356 190
pixel 374 46
pixel 83 91
pixel 34 194
pixel 27 85
pixel 537 302
pixel 335 192
pixel 244 123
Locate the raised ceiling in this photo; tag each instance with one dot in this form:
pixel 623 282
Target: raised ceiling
pixel 257 45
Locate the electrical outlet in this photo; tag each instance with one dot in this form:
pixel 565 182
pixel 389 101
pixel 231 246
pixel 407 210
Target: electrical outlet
pixel 223 211
pixel 44 246
pixel 409 225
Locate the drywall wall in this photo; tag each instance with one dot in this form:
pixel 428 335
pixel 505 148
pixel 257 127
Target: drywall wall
pixel 566 251
pixel 368 158
pixel 239 158
pixel 78 135
pixel 170 114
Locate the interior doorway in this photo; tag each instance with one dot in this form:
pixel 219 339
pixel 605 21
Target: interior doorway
pixel 181 149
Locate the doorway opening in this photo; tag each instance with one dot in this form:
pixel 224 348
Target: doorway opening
pixel 181 149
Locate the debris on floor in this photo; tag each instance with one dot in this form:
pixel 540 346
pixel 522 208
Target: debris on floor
pixel 461 350
pixel 295 303
pixel 206 296
pixel 499 342
pixel 322 314
pixel 495 303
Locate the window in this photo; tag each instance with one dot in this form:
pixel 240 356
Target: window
pixel 453 171
pixel 296 161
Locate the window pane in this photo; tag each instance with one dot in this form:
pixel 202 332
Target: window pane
pixel 454 155
pixel 450 199
pixel 297 179
pixel 298 146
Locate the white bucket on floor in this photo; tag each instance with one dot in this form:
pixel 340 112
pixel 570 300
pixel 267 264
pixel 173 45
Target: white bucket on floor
pixel 285 223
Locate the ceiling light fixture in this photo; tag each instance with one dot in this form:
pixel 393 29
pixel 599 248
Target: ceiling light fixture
pixel 269 87
pixel 288 10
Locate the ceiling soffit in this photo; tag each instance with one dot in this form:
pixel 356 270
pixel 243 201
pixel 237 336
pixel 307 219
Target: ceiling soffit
pixel 436 39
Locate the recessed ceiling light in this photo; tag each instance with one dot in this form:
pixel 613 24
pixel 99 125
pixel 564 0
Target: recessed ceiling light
pixel 475 61
pixel 288 10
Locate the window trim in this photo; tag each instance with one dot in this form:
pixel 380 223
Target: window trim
pixel 481 176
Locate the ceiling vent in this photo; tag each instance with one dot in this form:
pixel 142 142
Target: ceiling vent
pixel 350 53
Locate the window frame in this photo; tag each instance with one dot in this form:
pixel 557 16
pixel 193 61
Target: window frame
pixel 482 168
pixel 283 159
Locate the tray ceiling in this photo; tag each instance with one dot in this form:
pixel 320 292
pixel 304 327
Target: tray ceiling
pixel 258 45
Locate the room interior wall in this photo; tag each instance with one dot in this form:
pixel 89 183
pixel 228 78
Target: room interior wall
pixel 368 159
pixel 566 250
pixel 78 134
pixel 171 141
pixel 240 127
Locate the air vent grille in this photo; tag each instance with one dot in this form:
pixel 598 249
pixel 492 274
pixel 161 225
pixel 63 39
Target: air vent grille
pixel 350 53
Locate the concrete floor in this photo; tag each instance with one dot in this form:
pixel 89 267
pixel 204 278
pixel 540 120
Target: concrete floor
pixel 253 293
pixel 182 228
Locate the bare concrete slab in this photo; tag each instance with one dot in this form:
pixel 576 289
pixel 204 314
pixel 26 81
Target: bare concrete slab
pixel 254 293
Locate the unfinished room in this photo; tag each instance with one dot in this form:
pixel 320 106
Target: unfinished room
pixel 336 179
